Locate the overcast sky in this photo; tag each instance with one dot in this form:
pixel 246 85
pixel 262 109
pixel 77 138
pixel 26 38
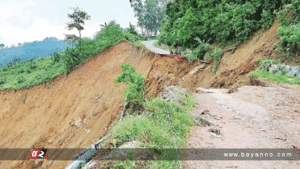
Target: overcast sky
pixel 33 20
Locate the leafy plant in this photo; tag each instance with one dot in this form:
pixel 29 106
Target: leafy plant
pixel 266 20
pixel 2 80
pixel 135 83
pixel 55 57
pixel 201 49
pixel 72 58
pixel 21 79
pixel 216 56
pixel 25 97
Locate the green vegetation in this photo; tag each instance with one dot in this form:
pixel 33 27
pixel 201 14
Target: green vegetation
pixel 21 74
pixel 25 97
pixel 281 78
pixel 215 21
pixel 160 125
pixel 216 56
pixel 149 14
pixel 78 18
pixel 135 83
pixel 289 30
pixel 290 79
pixel 202 25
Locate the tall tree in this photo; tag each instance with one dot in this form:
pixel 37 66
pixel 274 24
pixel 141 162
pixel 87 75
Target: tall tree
pixel 150 14
pixel 138 8
pixel 78 18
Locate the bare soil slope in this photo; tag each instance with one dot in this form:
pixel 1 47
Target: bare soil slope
pixel 234 67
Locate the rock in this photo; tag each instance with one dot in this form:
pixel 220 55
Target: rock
pixel 50 141
pixel 189 51
pixel 202 90
pixel 197 69
pixel 76 122
pixel 131 148
pixel 132 144
pixel 91 165
pixel 173 94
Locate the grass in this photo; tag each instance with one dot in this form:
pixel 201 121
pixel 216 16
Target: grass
pixel 276 78
pixel 164 47
pixel 161 125
pixel 152 38
pixel 26 74
pixel 30 73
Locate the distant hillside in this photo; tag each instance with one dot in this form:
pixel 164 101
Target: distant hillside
pixel 32 50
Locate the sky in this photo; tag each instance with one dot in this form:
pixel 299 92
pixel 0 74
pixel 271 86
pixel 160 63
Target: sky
pixel 34 20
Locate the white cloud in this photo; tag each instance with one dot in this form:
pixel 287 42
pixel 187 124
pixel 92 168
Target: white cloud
pixel 33 20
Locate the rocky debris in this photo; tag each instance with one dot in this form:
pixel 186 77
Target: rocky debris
pixel 132 144
pixel 203 90
pixel 91 165
pixel 173 94
pixel 281 69
pixel 77 122
pixel 189 51
pixel 197 69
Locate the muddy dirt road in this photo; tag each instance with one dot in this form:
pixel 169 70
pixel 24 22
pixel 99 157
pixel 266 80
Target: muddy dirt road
pixel 252 117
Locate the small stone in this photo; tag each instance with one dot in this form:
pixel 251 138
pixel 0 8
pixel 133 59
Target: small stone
pixel 50 141
pixel 88 131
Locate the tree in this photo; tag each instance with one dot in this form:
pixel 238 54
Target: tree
pixel 78 18
pixel 150 14
pixel 103 26
pixel 132 29
pixel 138 8
pixel 2 45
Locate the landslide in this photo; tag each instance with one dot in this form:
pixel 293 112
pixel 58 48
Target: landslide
pixel 77 110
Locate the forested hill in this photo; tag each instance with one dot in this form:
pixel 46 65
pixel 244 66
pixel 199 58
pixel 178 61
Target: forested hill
pixel 31 50
pixel 197 24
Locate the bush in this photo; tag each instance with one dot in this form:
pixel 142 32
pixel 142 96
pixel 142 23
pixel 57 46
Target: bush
pixel 216 56
pixel 55 57
pixel 267 20
pixel 135 83
pixel 201 49
pixel 2 80
pixel 20 79
pixel 289 30
pixel 215 21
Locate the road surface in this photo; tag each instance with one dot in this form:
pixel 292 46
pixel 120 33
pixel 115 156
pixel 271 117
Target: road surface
pixel 150 46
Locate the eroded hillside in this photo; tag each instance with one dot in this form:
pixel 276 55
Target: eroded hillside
pixel 76 110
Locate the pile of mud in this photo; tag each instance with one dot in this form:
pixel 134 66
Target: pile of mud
pixel 77 110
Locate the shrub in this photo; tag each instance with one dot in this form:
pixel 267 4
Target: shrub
pixel 215 21
pixel 20 79
pixel 289 30
pixel 201 49
pixel 72 58
pixel 135 83
pixel 2 80
pixel 216 56
pixel 55 57
pixel 266 20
